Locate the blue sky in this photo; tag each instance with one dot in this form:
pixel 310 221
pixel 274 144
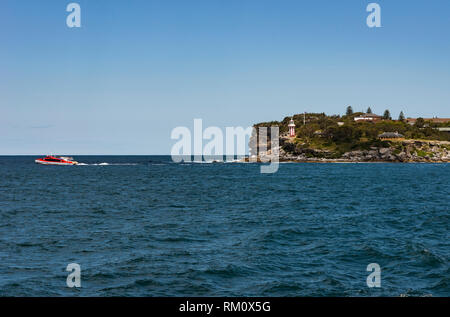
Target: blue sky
pixel 137 69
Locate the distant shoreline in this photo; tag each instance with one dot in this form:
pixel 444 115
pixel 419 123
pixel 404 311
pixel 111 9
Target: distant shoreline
pixel 338 161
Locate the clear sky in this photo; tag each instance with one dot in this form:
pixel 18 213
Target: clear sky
pixel 137 69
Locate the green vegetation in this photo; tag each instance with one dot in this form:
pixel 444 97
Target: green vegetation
pixel 419 123
pixel 323 133
pixel 349 111
pixel 422 153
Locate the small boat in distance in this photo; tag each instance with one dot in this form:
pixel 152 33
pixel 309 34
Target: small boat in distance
pixel 56 160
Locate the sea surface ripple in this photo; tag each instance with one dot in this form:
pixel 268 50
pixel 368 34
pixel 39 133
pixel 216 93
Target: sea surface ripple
pixel 145 226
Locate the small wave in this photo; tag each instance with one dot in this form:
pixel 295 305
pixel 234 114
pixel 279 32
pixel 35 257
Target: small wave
pixel 178 239
pixel 230 270
pixel 209 162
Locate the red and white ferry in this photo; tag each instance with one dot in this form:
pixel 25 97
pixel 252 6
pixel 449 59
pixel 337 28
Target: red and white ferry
pixel 56 160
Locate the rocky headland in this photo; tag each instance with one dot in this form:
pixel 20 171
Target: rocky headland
pixel 335 139
pixel 404 151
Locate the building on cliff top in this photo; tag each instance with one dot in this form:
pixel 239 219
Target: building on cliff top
pixel 368 117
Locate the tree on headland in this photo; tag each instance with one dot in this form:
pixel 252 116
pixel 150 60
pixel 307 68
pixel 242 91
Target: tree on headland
pixel 401 116
pixel 387 115
pixel 420 122
pixel 349 111
pixel 369 110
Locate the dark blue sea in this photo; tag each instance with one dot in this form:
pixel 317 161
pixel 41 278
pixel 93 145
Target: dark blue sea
pixel 145 226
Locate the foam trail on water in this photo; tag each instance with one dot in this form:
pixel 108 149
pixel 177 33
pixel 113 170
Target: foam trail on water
pixel 106 164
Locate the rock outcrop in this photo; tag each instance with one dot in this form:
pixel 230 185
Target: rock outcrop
pixel 396 151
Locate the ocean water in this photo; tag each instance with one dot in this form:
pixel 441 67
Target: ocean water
pixel 144 226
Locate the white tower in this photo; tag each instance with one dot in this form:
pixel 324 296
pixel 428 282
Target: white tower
pixel 291 128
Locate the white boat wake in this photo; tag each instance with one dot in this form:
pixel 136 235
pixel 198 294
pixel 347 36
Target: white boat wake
pixel 106 164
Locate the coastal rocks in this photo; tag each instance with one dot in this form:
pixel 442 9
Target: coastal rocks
pixel 354 156
pixel 402 157
pixel 392 158
pixel 408 151
pixel 404 151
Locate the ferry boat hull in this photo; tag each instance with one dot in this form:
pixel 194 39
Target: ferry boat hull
pixel 54 160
